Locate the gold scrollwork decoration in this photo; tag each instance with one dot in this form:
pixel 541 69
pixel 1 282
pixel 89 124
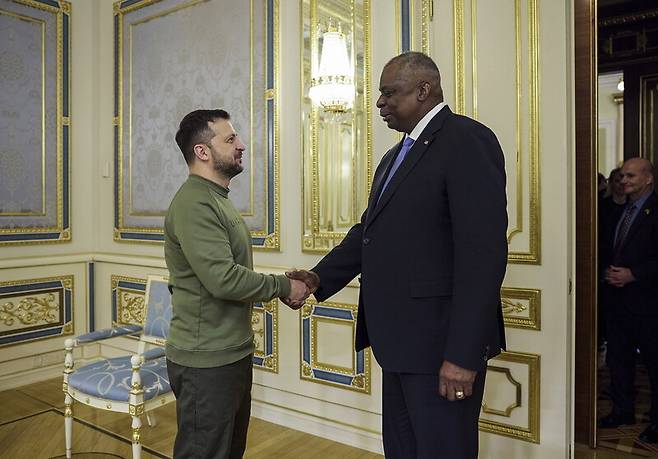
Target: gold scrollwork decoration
pixel 131 307
pixel 307 310
pixel 269 362
pixel 359 381
pixel 307 370
pixel 521 307
pixel 510 307
pixel 130 302
pixel 31 310
pixel 258 328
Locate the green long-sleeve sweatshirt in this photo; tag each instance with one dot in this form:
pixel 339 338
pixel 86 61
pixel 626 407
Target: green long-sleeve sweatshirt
pixel 209 257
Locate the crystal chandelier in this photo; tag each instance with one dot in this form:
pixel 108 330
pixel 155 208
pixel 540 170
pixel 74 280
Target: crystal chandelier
pixel 332 86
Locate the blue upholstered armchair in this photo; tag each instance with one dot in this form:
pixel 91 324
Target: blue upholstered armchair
pixel 133 384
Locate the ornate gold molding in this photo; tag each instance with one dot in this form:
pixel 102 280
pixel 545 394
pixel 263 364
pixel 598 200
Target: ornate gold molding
pixel 533 205
pixel 265 323
pixel 521 307
pixel 488 420
pixel 35 309
pixel 323 226
pixel 357 377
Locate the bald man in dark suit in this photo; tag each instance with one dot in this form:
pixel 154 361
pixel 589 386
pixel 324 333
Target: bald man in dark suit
pixel 630 294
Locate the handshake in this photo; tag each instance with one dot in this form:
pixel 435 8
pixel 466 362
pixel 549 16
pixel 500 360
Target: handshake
pixel 302 284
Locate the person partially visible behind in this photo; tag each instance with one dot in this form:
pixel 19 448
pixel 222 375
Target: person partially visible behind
pixel 614 199
pixel 630 292
pixel 602 185
pixel 209 257
pixel 611 205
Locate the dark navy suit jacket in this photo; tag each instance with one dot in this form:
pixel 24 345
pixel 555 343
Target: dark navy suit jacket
pixel 639 253
pixel 431 252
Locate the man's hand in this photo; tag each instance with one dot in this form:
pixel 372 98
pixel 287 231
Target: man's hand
pixel 455 383
pixel 307 278
pixel 618 276
pixel 311 279
pixel 298 294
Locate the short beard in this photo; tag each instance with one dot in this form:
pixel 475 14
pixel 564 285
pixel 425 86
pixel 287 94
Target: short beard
pixel 227 170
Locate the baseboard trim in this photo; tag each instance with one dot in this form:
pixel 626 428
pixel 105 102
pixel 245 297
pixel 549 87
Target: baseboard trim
pixel 314 425
pixel 30 376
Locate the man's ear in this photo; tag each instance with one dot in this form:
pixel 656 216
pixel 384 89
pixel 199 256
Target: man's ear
pixel 424 90
pixel 200 151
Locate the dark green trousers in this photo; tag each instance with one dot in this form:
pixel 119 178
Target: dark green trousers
pixel 213 406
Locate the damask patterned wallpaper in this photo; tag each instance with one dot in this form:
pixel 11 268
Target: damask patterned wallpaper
pixel 180 56
pixel 28 117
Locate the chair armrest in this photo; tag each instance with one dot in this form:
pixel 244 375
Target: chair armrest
pixel 151 354
pixel 106 333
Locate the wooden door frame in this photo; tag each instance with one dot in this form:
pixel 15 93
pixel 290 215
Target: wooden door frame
pixel 585 92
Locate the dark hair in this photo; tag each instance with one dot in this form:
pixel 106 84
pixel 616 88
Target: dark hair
pixel 194 129
pixel 418 62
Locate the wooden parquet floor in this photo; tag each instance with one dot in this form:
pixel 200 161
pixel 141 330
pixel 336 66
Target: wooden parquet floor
pixel 32 427
pixel 625 438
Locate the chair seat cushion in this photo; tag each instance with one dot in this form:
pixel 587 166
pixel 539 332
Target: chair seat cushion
pixel 110 379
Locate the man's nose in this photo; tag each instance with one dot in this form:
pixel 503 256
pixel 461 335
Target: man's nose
pixel 380 102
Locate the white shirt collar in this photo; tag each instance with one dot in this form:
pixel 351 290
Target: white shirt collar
pixel 425 120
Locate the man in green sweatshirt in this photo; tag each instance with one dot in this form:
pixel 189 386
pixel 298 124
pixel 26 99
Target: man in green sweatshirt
pixel 209 257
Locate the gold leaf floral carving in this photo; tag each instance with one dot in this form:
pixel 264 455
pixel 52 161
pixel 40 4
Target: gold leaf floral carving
pixel 31 310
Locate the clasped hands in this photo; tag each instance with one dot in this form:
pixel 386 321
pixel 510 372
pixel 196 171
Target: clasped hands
pixel 618 276
pixel 302 284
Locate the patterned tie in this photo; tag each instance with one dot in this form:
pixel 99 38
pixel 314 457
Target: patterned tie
pixel 406 146
pixel 622 232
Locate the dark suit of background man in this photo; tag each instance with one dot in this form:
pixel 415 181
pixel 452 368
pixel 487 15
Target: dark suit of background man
pixel 431 249
pixel 630 293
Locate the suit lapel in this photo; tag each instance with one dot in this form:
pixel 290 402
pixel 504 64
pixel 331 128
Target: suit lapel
pixel 420 146
pixel 378 181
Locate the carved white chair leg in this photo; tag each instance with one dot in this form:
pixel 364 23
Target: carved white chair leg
pixel 137 445
pixel 151 419
pixel 68 423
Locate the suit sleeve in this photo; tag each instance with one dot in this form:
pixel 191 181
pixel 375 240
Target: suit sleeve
pixel 477 201
pixel 646 272
pixel 340 265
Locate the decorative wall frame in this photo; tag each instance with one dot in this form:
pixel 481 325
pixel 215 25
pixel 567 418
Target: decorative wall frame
pixel 353 370
pixel 521 307
pixel 336 148
pixel 522 147
pixel 149 104
pixel 128 296
pixel 35 66
pixel 265 322
pixel 413 18
pixel 34 309
pixel 511 404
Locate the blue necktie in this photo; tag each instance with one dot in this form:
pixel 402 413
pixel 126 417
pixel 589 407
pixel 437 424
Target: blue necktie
pixel 406 146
